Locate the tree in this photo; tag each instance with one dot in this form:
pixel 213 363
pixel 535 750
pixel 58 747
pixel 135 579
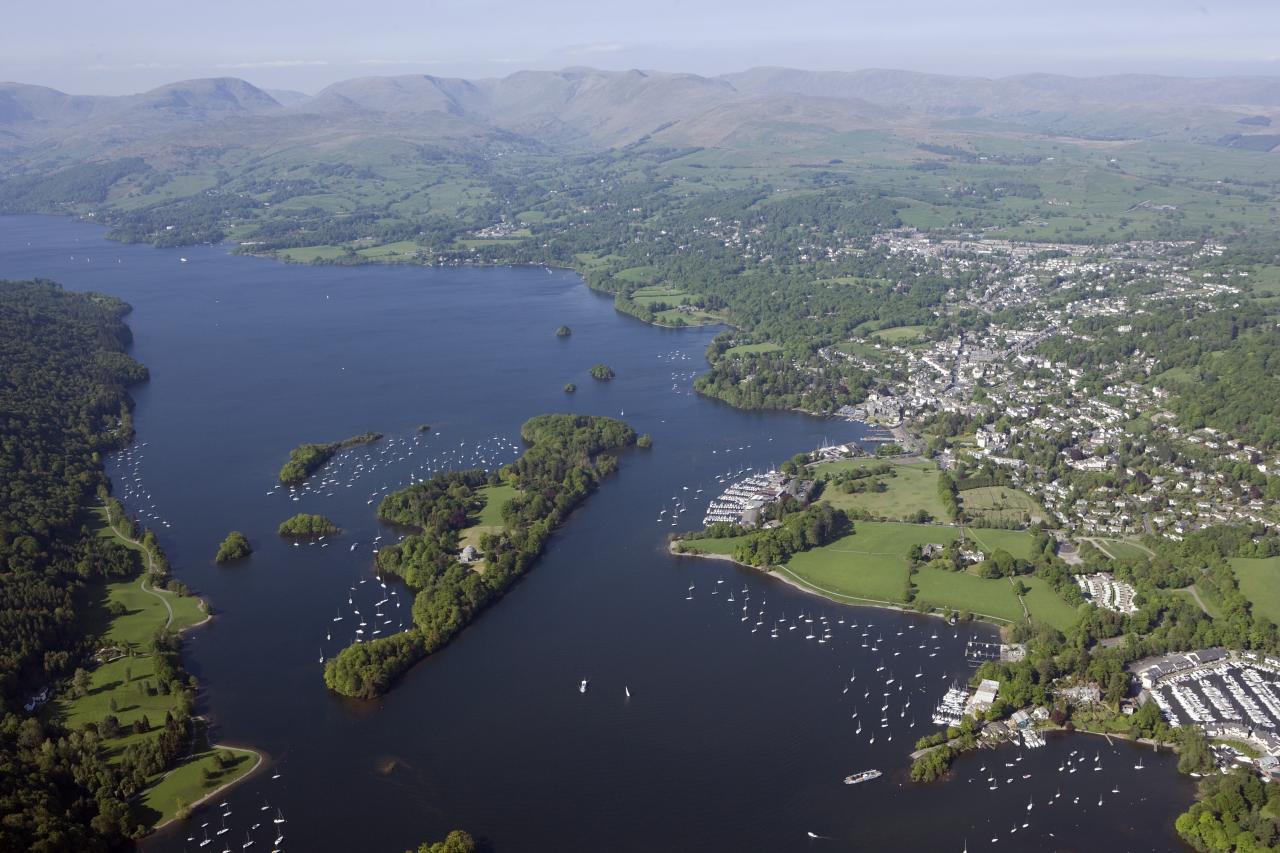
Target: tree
pixel 457 841
pixel 80 682
pixel 234 547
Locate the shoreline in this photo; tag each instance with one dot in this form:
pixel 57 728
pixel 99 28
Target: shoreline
pixel 260 759
pixel 781 574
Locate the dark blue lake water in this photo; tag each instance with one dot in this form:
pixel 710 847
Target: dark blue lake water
pixel 731 740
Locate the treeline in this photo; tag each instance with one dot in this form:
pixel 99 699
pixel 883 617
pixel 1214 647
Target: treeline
pixel 63 375
pixel 306 459
pixel 566 458
pixel 810 528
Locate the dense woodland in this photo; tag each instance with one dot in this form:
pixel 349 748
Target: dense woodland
pixel 566 458
pixel 63 375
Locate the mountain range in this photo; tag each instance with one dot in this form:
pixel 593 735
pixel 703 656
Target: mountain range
pixel 579 109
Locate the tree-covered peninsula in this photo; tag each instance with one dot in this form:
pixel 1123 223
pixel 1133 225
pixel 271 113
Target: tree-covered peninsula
pixel 306 459
pixel 306 524
pixel 567 457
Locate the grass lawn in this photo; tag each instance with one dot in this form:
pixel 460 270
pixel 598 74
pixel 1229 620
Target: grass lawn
pixel 187 783
pixel 751 349
pixel 637 275
pixel 402 249
pixel 658 293
pixel 899 334
pixel 714 546
pixel 1122 550
pixel 1016 542
pixel 490 518
pixel 870 563
pixel 914 488
pixel 1259 581
pixel 1045 605
pixel 964 591
pixel 997 505
pixel 308 254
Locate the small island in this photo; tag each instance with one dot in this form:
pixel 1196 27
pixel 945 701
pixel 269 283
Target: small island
pixel 306 524
pixel 563 332
pixel 306 459
pixel 424 427
pixel 603 372
pixel 234 547
pixel 569 387
pixel 567 456
pixel 645 441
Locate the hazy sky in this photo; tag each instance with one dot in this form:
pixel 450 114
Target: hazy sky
pixel 115 46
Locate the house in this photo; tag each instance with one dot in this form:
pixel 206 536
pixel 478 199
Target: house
pixel 470 554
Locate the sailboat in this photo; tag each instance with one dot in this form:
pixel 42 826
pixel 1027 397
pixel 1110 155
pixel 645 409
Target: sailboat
pixel 279 818
pixel 627 690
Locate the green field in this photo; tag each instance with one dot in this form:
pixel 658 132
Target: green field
pixel 899 334
pixel 127 680
pixel 402 250
pixel 1016 542
pixel 1122 550
pixel 669 295
pixel 489 520
pixel 310 254
pixel 1259 581
pixel 187 783
pixel 871 563
pixel 751 349
pixel 999 505
pixel 714 546
pixel 1045 605
pixel 945 590
pixel 638 275
pixel 914 488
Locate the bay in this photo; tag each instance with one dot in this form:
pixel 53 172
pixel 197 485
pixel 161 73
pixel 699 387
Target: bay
pixel 731 740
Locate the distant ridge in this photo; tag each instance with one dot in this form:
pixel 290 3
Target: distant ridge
pixel 586 109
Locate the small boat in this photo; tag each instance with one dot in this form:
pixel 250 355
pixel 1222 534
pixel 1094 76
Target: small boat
pixel 582 687
pixel 864 776
pixel 627 690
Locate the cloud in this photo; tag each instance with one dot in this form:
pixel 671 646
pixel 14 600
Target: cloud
pixel 398 61
pixel 593 47
pixel 272 63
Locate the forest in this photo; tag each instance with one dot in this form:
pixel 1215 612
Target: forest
pixel 63 381
pixel 566 457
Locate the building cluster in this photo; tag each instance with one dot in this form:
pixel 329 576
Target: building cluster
pixel 1106 592
pixel 1051 428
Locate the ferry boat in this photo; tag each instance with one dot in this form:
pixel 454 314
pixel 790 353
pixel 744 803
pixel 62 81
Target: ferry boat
pixel 864 776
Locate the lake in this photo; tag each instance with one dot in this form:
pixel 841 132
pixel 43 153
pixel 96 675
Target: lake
pixel 731 739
